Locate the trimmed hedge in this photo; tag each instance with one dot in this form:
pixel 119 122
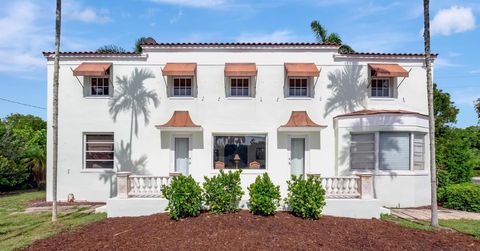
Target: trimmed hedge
pixel 184 197
pixel 264 196
pixel 465 197
pixel 223 192
pixel 306 198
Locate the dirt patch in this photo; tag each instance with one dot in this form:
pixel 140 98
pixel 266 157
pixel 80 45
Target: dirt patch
pixel 243 231
pixel 43 203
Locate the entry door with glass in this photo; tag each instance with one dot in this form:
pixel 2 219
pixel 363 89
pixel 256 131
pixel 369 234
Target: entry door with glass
pixel 182 158
pixel 297 156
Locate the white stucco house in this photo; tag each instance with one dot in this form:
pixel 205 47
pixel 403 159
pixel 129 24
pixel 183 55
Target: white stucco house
pixel 129 121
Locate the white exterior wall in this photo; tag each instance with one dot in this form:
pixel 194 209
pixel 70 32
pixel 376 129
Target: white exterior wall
pixel 217 114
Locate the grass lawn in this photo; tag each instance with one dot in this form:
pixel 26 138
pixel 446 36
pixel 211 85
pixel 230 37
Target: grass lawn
pixel 470 227
pixel 18 230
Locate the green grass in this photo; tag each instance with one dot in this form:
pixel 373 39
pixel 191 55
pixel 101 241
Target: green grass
pixel 470 227
pixel 19 230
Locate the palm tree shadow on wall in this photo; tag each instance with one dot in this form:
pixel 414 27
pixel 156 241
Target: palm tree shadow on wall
pixel 349 89
pixel 131 96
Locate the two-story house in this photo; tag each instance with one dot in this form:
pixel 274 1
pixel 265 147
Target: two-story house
pixel 129 121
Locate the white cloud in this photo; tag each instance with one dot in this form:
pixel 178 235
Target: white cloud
pixel 276 36
pixel 455 19
pixel 177 17
pixel 194 3
pixel 74 11
pixel 443 62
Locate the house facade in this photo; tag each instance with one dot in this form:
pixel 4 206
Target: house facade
pixel 129 121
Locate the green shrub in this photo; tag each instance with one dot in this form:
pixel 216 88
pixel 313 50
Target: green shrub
pixel 264 196
pixel 222 193
pixel 12 176
pixel 306 198
pixel 184 197
pixel 465 197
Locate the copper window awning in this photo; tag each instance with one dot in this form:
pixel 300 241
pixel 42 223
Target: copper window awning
pixel 300 121
pixel 302 70
pixel 180 121
pixel 388 70
pixel 240 69
pixel 92 69
pixel 179 69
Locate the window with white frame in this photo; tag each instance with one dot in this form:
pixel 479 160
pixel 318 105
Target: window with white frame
pixel 381 87
pixel 182 87
pixel 239 87
pixel 239 151
pixel 298 87
pixel 99 86
pixel 395 151
pixel 99 151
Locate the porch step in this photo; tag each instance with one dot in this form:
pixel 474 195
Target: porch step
pixel 354 208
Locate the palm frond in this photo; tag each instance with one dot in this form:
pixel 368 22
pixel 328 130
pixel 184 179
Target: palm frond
pixel 319 31
pixel 110 49
pixel 334 38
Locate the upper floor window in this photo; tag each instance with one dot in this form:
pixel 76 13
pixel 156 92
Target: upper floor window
pixel 240 87
pixel 99 86
pixel 298 87
pixel 182 87
pixel 381 87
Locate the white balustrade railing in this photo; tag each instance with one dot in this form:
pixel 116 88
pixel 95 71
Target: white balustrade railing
pixel 341 187
pixel 146 186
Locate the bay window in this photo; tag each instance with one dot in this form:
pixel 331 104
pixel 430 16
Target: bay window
pixel 387 151
pixel 239 151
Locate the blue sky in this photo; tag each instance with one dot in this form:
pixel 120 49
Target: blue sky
pixel 27 29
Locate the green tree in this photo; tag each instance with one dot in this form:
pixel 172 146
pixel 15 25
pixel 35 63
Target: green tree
pixel 477 109
pixel 110 49
pixel 35 160
pixel 138 44
pixel 321 35
pixel 445 111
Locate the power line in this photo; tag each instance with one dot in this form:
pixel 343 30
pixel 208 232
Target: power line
pixel 24 104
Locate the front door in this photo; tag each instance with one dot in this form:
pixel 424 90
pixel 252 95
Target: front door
pixel 182 158
pixel 297 156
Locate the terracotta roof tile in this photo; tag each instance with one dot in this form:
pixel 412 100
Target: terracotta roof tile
pixel 376 112
pixel 388 54
pixel 51 53
pixel 241 44
pixel 180 119
pixel 300 119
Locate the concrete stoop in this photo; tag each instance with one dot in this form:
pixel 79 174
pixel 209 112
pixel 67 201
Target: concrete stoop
pixel 353 208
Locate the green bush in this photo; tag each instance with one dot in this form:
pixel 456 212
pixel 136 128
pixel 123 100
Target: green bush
pixel 12 176
pixel 264 196
pixel 184 197
pixel 465 197
pixel 306 198
pixel 222 193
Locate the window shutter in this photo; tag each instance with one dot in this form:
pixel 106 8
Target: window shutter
pixel 419 151
pixel 394 150
pixel 362 151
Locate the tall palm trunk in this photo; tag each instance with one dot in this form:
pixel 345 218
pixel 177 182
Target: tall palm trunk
pixel 431 119
pixel 56 69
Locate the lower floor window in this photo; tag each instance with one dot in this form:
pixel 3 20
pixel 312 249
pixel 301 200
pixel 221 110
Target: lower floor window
pixel 99 151
pixel 395 151
pixel 239 152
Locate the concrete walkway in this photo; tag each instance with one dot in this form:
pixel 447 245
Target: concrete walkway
pixel 424 214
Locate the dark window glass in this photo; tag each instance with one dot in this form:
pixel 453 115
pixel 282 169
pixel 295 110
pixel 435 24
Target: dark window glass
pixel 298 87
pixel 239 87
pixel 100 86
pixel 381 88
pixel 182 87
pixel 242 152
pixel 99 151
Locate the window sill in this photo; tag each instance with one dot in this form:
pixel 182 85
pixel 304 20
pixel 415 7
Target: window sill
pixel 244 171
pixel 98 170
pixel 390 173
pixel 182 98
pixel 382 99
pixel 97 97
pixel 298 98
pixel 240 98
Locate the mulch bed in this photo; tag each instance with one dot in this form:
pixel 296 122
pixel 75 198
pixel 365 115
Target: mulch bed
pixel 243 231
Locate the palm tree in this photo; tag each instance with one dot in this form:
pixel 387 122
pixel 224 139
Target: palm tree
pixel 138 43
pixel 431 118
pixel 131 94
pixel 56 68
pixel 320 33
pixel 35 160
pixel 110 49
pixel 477 109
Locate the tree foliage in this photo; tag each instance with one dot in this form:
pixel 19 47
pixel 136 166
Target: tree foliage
pixel 445 111
pixel 22 137
pixel 321 35
pixel 477 109
pixel 138 43
pixel 111 49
